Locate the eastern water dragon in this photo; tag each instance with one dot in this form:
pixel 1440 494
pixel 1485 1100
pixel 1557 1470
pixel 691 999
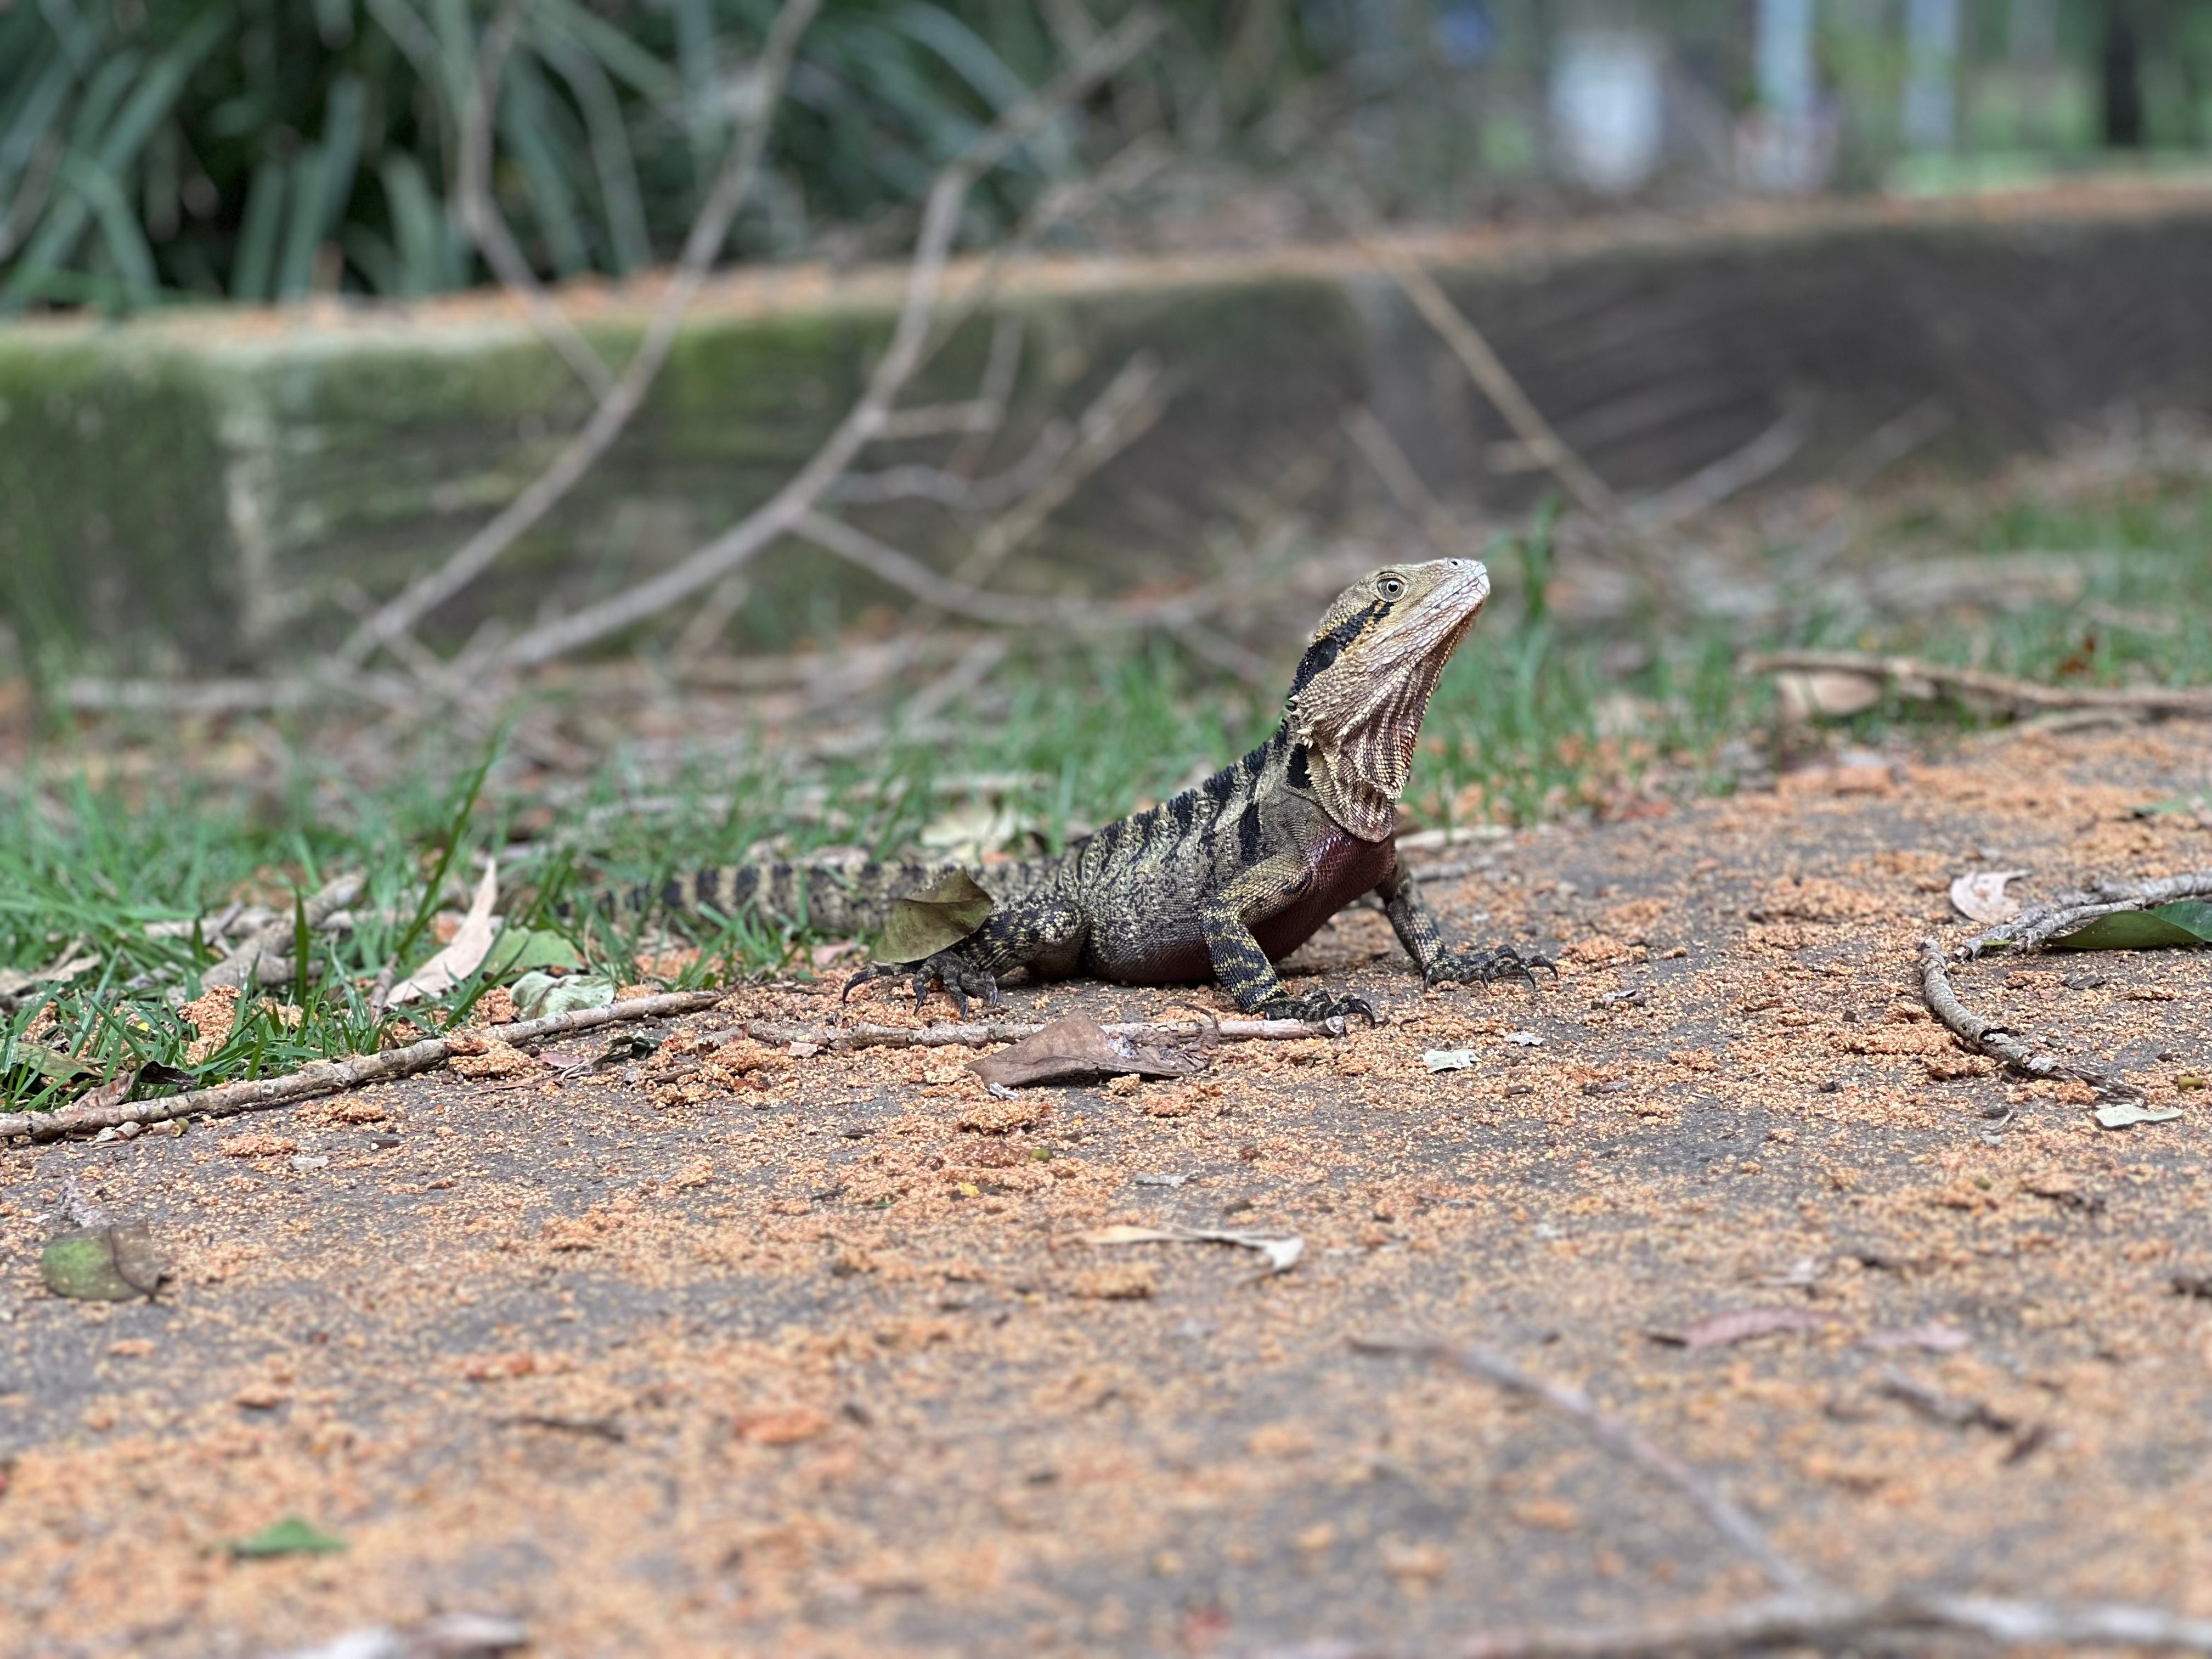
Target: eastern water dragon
pixel 1228 878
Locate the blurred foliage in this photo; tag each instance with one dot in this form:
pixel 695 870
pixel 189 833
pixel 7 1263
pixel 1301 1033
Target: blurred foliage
pixel 264 150
pixel 268 149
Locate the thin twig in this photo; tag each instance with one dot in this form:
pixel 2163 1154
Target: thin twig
pixel 887 563
pixel 1446 537
pixel 1987 1037
pixel 623 399
pixel 1616 1437
pixel 264 956
pixel 1124 411
pixel 2042 922
pixel 1732 474
pixel 1926 681
pixel 1809 1621
pixel 865 421
pixel 333 1076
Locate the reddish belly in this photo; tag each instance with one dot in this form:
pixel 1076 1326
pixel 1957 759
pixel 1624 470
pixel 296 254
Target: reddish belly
pixel 1344 868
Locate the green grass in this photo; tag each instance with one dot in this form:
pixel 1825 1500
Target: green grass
pixel 1530 723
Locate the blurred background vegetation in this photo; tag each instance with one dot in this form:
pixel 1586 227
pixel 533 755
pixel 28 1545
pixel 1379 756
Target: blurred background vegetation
pixel 266 150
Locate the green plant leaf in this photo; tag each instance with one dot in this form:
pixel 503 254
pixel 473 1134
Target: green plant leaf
pixel 520 949
pixel 102 1264
pixel 541 996
pixel 933 918
pixel 2186 921
pixel 293 1535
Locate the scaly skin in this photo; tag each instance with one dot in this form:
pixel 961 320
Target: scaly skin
pixel 1227 878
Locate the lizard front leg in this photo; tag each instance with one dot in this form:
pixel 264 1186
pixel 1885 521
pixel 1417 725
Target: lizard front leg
pixel 1034 928
pixel 1415 924
pixel 1241 967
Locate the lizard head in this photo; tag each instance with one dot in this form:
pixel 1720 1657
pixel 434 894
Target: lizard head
pixel 1364 683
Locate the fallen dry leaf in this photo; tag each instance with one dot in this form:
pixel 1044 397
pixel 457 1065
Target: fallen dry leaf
pixel 779 1425
pixel 1981 897
pixel 1079 1047
pixel 473 942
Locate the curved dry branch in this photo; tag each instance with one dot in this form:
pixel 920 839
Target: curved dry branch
pixel 1616 1437
pixel 1987 1037
pixel 867 419
pixel 1926 681
pixel 334 1075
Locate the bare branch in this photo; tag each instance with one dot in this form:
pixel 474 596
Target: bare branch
pixel 709 232
pixel 865 421
pixel 1616 1437
pixel 946 488
pixel 1120 414
pixel 333 1076
pixel 1444 536
pixel 1811 1621
pixel 1987 1037
pixel 1731 475
pixel 1925 681
pixel 1483 365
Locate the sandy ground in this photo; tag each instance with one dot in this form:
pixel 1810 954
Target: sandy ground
pixel 740 1351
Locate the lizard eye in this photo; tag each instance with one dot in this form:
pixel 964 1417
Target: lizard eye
pixel 1391 587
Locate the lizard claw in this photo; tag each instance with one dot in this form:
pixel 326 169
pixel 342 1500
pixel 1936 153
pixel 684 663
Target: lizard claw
pixel 1316 1007
pixel 1486 967
pixel 947 970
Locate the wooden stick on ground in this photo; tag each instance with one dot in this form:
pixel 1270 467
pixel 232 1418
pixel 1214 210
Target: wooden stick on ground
pixel 1926 681
pixel 1809 1613
pixel 1987 1037
pixel 1825 1622
pixel 334 1075
pixel 1616 1437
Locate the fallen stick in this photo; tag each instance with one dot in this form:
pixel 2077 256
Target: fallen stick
pixel 979 1034
pixel 2039 922
pixel 264 956
pixel 1616 1437
pixel 1987 1037
pixel 1926 681
pixel 1811 1621
pixel 335 1076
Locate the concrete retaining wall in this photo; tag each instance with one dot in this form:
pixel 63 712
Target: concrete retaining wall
pixel 200 491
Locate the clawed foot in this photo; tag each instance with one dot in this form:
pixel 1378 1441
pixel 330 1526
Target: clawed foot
pixel 1486 967
pixel 947 971
pixel 1315 1007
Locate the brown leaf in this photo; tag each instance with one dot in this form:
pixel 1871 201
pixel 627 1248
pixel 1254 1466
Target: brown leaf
pixel 1741 1325
pixel 933 918
pixel 113 1092
pixel 781 1426
pixel 1077 1047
